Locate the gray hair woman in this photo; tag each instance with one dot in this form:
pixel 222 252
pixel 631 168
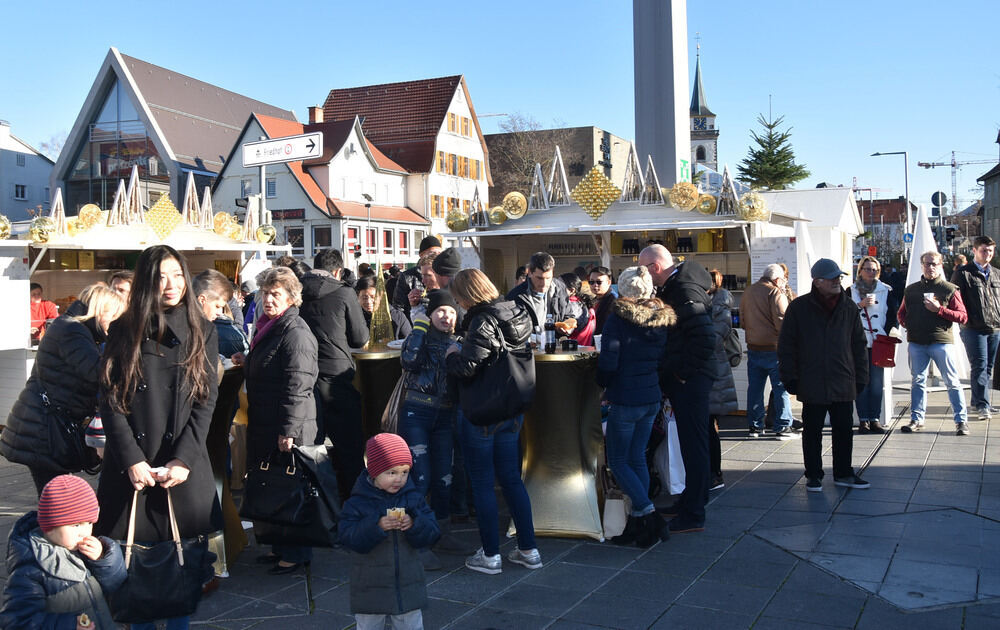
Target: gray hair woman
pixel 281 371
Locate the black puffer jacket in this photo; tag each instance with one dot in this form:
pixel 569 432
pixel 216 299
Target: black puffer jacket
pixel 691 342
pixel 980 295
pixel 334 315
pixel 489 324
pixel 281 374
pixel 49 585
pixel 822 355
pixel 66 370
pixel 406 282
pixel 423 359
pixel 556 299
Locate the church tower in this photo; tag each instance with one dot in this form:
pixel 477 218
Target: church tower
pixel 704 134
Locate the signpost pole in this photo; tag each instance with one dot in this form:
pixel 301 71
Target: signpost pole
pixel 263 194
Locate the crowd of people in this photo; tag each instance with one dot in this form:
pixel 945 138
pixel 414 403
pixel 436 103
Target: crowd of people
pixel 139 361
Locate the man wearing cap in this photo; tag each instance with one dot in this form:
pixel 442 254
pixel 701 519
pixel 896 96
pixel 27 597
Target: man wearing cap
pixel 930 307
pixel 823 360
pixel 409 280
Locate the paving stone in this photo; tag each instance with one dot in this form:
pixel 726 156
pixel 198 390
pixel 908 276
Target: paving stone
pixel 563 624
pixel 796 538
pixel 808 579
pixel 784 518
pixel 906 597
pixel 533 599
pixel 677 564
pixel 499 620
pixel 694 618
pixel 818 608
pixel 858 504
pixel 614 611
pixel 441 612
pixel 602 555
pixel 471 587
pixel 657 587
pixel 730 597
pixel 854 568
pixel 836 542
pixel 767 622
pixel 756 572
pixel 570 577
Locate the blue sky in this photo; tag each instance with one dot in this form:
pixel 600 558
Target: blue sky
pixel 850 77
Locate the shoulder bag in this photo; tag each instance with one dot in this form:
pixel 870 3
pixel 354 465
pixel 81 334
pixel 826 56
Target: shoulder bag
pixel 67 439
pixel 501 389
pixel 165 578
pixel 883 346
pixel 277 492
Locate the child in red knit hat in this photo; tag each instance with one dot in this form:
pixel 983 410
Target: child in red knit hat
pixel 59 573
pixel 385 521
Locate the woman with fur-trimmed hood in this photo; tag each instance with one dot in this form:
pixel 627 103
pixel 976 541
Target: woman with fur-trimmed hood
pixel 632 343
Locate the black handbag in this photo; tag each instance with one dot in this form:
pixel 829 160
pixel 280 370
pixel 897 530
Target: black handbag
pixel 67 440
pixel 501 389
pixel 277 491
pixel 164 579
pixel 317 526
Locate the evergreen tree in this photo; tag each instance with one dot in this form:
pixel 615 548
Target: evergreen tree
pixel 771 164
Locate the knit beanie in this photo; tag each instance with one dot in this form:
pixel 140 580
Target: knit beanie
pixel 385 451
pixel 447 263
pixel 66 500
pixel 635 282
pixel 438 298
pixel 428 242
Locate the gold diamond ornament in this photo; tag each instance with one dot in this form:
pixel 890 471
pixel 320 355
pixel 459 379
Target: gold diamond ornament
pixel 163 217
pixel 595 193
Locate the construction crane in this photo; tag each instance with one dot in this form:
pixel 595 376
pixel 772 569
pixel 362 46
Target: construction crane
pixel 955 165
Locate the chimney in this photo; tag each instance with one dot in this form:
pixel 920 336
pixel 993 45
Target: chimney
pixel 315 114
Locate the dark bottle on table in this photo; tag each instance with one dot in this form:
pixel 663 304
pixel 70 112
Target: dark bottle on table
pixel 550 334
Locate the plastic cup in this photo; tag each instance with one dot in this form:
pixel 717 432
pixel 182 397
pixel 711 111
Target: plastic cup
pixel 597 343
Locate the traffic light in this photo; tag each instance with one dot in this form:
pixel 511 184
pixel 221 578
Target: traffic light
pixel 950 234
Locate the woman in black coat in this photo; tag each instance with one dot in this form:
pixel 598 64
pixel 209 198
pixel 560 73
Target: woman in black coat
pixel 158 389
pixel 281 371
pixel 65 371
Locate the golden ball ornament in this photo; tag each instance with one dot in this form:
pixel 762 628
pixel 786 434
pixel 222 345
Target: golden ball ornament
pixel 684 196
pixel 266 234
pixel 4 227
pixel 89 216
pixel 753 207
pixel 234 230
pixel 707 204
pixel 498 216
pixel 222 221
pixel 73 226
pixel 457 221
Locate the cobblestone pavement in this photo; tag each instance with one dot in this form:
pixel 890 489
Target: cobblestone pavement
pixel 918 550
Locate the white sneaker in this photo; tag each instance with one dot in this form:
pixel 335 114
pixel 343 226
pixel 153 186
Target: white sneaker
pixel 786 435
pixel 985 414
pixel 479 561
pixel 530 558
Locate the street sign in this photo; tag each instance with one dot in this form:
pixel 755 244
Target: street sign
pixel 288 149
pixel 872 250
pixel 908 237
pixel 939 199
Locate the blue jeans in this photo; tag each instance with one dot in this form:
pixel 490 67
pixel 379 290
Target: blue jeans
pixel 627 436
pixel 869 402
pixel 177 623
pixel 492 454
pixel 428 431
pixel 920 358
pixel 982 351
pixel 760 367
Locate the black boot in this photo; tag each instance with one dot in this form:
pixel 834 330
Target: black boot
pixel 627 537
pixel 652 528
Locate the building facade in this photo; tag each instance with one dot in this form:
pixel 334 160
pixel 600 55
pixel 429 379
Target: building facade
pixel 991 202
pixel 321 203
pixel 24 177
pixel 429 128
pixel 704 133
pixel 165 123
pixel 885 220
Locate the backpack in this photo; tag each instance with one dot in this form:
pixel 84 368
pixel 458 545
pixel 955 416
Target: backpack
pixel 501 389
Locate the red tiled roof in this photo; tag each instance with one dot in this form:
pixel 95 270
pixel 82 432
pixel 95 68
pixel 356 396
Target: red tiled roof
pixel 335 134
pixel 403 119
pixel 343 208
pixel 887 210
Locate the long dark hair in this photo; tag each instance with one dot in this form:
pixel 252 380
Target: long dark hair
pixel 121 365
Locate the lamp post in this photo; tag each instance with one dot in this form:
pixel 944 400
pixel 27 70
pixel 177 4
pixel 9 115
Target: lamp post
pixel 368 208
pixel 906 180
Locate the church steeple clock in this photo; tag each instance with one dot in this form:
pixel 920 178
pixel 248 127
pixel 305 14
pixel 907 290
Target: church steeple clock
pixel 704 134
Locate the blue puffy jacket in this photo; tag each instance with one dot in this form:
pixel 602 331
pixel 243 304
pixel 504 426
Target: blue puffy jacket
pixel 50 586
pixel 387 577
pixel 632 343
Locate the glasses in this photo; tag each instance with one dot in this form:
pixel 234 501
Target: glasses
pixel 598 281
pixel 930 264
pixel 871 269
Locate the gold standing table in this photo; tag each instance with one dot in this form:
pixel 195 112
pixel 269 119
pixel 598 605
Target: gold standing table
pixel 561 441
pixel 375 376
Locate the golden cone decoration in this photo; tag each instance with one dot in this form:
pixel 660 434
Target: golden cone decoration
pixel 163 217
pixel 684 196
pixel 380 330
pixel 595 193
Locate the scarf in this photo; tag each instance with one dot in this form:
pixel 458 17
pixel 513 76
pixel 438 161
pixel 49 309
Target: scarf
pixel 864 289
pixel 264 326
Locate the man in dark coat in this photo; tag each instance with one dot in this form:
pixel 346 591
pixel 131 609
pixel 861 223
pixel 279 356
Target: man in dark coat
pixel 334 315
pixel 410 279
pixel 979 284
pixel 686 374
pixel 823 359
pixel 542 294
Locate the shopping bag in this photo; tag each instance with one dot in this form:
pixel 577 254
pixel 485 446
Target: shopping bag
pixel 884 351
pixel 668 460
pixel 164 579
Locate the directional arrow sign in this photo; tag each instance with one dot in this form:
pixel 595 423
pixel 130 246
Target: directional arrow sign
pixel 288 149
